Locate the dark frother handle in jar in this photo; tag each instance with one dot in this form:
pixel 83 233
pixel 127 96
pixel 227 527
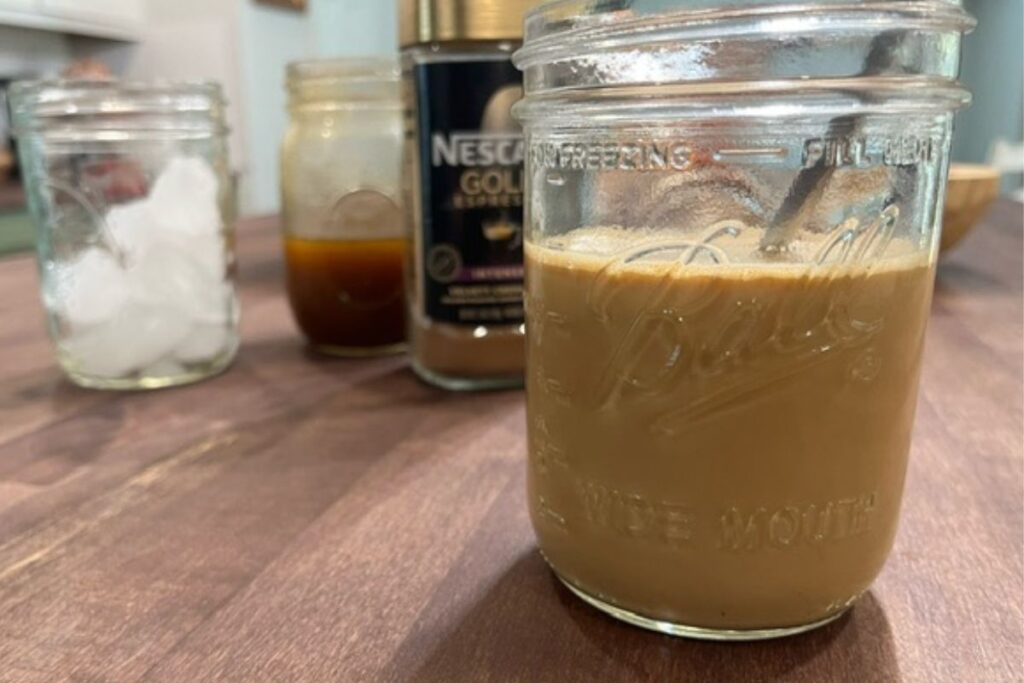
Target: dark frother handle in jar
pixel 811 182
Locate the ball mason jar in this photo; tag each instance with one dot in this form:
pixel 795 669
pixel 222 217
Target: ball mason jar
pixel 130 191
pixel 732 224
pixel 344 230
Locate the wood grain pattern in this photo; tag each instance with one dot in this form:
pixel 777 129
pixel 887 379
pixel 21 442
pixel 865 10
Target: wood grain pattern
pixel 302 519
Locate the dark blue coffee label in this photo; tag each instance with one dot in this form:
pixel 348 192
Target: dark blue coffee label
pixel 471 172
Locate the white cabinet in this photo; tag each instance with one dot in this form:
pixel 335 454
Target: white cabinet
pixel 112 12
pixel 18 5
pixel 117 19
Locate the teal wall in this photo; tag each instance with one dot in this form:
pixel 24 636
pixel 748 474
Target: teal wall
pixel 272 37
pixel 355 28
pixel 993 68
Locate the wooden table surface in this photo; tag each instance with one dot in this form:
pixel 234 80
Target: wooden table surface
pixel 302 519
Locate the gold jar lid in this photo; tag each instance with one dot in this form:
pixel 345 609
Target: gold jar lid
pixel 429 21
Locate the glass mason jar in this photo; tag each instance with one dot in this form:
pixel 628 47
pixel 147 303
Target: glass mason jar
pixel 732 222
pixel 130 191
pixel 345 241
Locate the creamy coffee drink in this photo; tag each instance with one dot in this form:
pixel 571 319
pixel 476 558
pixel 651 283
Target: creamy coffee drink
pixel 719 439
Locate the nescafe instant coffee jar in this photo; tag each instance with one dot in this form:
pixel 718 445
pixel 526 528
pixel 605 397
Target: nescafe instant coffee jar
pixel 464 183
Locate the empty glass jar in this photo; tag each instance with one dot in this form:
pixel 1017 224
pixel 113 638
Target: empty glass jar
pixel 130 190
pixel 732 222
pixel 344 235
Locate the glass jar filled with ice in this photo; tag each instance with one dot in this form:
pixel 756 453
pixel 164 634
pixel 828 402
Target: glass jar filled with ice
pixel 130 191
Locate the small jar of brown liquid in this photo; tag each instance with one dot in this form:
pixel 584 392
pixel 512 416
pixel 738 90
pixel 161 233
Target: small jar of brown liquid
pixel 344 237
pixel 465 194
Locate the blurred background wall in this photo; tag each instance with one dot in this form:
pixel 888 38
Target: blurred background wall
pixel 272 37
pixel 246 44
pixel 993 68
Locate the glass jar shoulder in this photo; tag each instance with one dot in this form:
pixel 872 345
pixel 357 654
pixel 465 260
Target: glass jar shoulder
pixel 332 137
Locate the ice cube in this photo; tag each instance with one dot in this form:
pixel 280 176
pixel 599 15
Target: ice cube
pixel 203 343
pixel 179 221
pixel 88 352
pixel 168 278
pixel 131 227
pixel 90 289
pixel 170 289
pixel 218 307
pixel 165 367
pixel 205 251
pixel 144 334
pixel 189 222
pixel 138 337
pixel 184 197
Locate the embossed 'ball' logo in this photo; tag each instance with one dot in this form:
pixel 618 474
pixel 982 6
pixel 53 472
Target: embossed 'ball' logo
pixel 366 213
pixel 748 343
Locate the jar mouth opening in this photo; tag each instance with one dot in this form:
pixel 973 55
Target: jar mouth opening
pixel 561 23
pixel 37 104
pixel 338 84
pixel 340 71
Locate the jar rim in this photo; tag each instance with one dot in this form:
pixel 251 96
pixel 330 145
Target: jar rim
pixel 34 102
pixel 585 21
pixel 873 55
pixel 348 83
pixel 775 101
pixel 344 70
